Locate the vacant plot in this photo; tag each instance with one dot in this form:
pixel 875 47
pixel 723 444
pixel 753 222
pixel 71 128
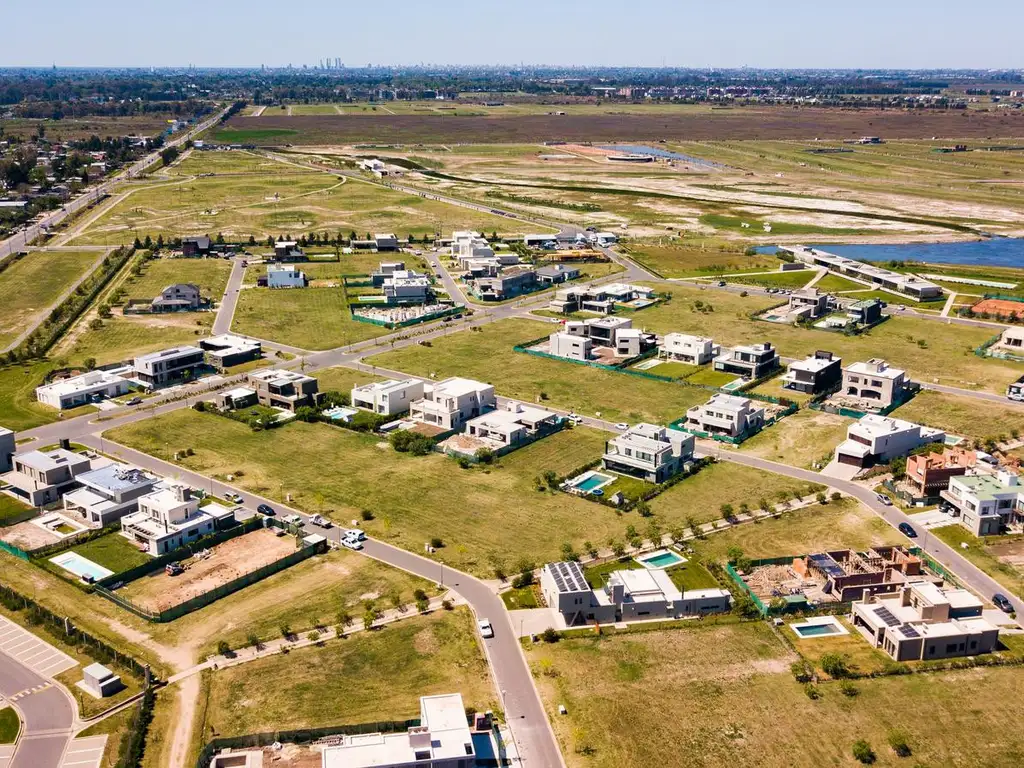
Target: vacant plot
pixel 211 275
pixel 308 318
pixel 124 338
pixel 1000 559
pixel 34 282
pixel 232 161
pixel 223 563
pixel 382 673
pixel 725 697
pixel 75 128
pixel 11 508
pixel 690 261
pixel 976 419
pixel 797 278
pixel 801 439
pixel 488 355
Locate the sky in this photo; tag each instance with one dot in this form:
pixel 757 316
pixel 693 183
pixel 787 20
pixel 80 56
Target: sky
pixel 684 33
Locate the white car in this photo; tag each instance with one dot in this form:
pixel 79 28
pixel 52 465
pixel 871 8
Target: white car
pixel 234 498
pixel 320 521
pixel 486 630
pixel 351 543
pixel 293 520
pixel 355 533
pixel 622 425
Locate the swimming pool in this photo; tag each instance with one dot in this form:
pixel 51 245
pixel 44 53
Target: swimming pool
pixel 80 566
pixel 819 627
pixel 591 481
pixel 664 558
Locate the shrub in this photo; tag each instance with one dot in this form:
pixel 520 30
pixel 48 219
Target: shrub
pixel 253 641
pixel 524 579
pixel 863 753
pixel 801 671
pixel 485 456
pixel 314 636
pixel 848 689
pixel 822 499
pixel 834 665
pixel 898 742
pixel 422 604
pixel 223 649
pixel 366 515
pixel 836 496
pixel 286 630
pixel 447 604
pixel 437 542
pixel 550 635
pixel 406 441
pixel 812 691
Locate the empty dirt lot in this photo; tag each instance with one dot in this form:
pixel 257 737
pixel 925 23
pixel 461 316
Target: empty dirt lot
pixel 728 124
pixel 228 561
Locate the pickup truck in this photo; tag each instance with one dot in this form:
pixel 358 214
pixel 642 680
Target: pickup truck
pixel 320 521
pixel 293 520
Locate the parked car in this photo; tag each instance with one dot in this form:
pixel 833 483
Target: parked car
pixel 134 401
pixel 908 530
pixel 173 569
pixel 1000 601
pixel 721 283
pixel 321 521
pixel 234 498
pixel 883 499
pixel 486 630
pixel 351 543
pixel 622 425
pixel 266 509
pixel 293 520
pixel 355 533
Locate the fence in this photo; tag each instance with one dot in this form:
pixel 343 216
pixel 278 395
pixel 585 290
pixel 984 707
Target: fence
pixel 680 424
pixel 935 567
pixel 13 550
pixel 558 426
pixel 767 610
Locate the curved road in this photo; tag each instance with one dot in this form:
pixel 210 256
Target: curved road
pixel 47 715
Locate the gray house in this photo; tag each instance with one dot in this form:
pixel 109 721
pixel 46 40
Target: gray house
pixel 179 297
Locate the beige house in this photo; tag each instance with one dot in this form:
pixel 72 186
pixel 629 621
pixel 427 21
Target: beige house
pixel 875 382
pixel 290 390
pixel 725 415
pixel 450 403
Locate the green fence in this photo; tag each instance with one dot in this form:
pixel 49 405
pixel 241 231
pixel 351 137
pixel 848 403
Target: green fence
pixel 13 550
pixel 680 424
pixel 936 567
pixel 767 610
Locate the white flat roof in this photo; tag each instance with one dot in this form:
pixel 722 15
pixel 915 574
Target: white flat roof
pixel 871 368
pixel 81 383
pixel 457 385
pixel 46 460
pixel 812 364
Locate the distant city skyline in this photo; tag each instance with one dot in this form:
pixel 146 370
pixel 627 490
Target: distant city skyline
pixel 872 34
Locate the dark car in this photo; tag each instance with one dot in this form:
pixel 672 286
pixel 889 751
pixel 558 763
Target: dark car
pixel 1002 603
pixel 266 509
pixel 908 530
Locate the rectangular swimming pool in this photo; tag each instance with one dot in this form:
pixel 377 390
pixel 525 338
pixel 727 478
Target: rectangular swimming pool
pixel 592 482
pixel 80 566
pixel 658 560
pixel 822 626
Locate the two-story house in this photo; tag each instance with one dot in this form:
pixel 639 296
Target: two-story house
pixel 284 276
pixel 169 365
pixel 41 477
pixel 167 518
pixel 389 398
pixel 648 451
pixel 875 382
pixel 728 415
pixel 929 474
pixel 751 361
pixel 808 303
pixel 450 403
pixel 108 493
pixel 876 439
pixel 179 297
pixel 289 390
pixel 986 505
pixel 685 348
pixel 821 372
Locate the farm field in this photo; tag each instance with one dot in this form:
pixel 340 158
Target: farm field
pixel 75 128
pixel 382 672
pixel 487 355
pixel 928 350
pixel 30 285
pixel 211 275
pixel 736 677
pixel 234 161
pixel 975 419
pixel 799 439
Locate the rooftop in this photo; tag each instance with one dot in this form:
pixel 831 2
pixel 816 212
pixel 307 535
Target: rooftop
pixel 116 478
pixel 47 460
pixel 727 402
pixel 81 382
pixel 813 364
pixel 387 386
pixel 278 377
pixel 876 367
pixel 168 353
pixel 568 576
pixel 988 487
pixel 457 386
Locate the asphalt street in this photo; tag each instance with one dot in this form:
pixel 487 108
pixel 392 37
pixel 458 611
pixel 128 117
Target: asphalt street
pixel 46 712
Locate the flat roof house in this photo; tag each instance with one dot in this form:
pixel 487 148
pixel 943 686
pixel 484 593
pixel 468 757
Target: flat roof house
pixel 40 477
pixel 875 382
pixel 227 350
pixel 694 350
pixel 511 425
pixel 7 448
pixel 385 270
pixel 387 397
pixel 924 622
pixel 985 504
pixel 866 312
pixel 178 297
pixel 582 297
pixel 288 250
pixel 808 303
pixel 877 439
pixel 627 595
pixel 76 390
pixel 570 346
pixel 821 372
pixel 108 493
pixel 930 473
pixel 289 390
pixel 169 365
pixel 407 287
pixel 751 361
pixel 899 282
pixel 450 403
pixel 648 451
pixel 1013 337
pixel 724 414
pixel 284 276
pixel 168 518
pixel 507 284
pixel 385 241
pixel 441 740
pixel 558 273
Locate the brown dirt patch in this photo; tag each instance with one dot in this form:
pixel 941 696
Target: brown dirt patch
pixel 425 642
pixel 227 562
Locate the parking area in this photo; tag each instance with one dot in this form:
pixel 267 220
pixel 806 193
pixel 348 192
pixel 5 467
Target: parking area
pixel 30 651
pixel 85 753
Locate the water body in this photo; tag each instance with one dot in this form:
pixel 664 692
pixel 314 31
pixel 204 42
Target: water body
pixel 643 149
pixel 996 252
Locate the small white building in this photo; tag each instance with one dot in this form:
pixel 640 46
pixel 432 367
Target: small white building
pixel 450 403
pixel 877 439
pixel 285 276
pixel 389 397
pixel 407 287
pixel 168 518
pixel 570 346
pixel 723 414
pixel 108 493
pixel 693 350
pixel 77 390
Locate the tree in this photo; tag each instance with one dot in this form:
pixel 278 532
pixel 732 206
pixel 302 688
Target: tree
pixel 344 618
pixel 643 508
pixel 590 549
pixel 223 649
pixel 550 635
pixel 436 542
pixel 286 630
pixel 734 554
pixel 726 510
pixel 89 363
pixel 369 617
pixel 253 640
pixel 568 553
pixel 863 753
pixel 898 467
pixel 169 155
pixel 422 604
pixel 822 499
pixel 834 665
pixel 618 548
pixel 307 413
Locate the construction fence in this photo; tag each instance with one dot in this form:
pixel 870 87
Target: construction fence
pixel 354 308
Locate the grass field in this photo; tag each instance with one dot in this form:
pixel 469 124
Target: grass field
pixel 725 697
pixel 10 508
pixel 308 318
pixel 835 283
pixel 487 355
pixel 985 553
pixel 977 419
pixel 10 725
pixel 799 439
pixel 797 278
pixel 124 338
pixel 382 673
pixel 683 261
pixel 211 275
pixel 19 408
pixel 113 552
pixel 73 128
pixel 30 285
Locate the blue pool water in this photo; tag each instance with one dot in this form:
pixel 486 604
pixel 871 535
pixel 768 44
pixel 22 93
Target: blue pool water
pixel 816 630
pixel 596 480
pixel 643 149
pixel 662 560
pixel 80 566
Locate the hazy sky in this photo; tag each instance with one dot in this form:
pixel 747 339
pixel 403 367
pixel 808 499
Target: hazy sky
pixel 725 33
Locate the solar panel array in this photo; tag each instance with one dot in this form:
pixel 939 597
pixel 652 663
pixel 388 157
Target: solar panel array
pixel 886 615
pixel 827 565
pixel 908 631
pixel 568 577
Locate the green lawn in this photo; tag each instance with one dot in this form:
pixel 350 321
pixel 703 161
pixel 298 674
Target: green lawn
pixel 833 283
pixel 692 575
pixel 672 369
pixel 487 355
pixel 383 673
pixel 10 508
pixel 34 282
pixel 794 279
pixel 9 725
pixel 211 275
pixel 709 377
pixel 690 261
pixel 725 697
pixel 976 419
pixel 985 552
pixel 19 408
pixel 342 379
pixel 113 552
pixel 799 439
pixel 125 338
pixel 521 598
pixel 308 318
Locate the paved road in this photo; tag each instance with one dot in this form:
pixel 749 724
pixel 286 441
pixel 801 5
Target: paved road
pixel 229 301
pixel 46 712
pixel 21 239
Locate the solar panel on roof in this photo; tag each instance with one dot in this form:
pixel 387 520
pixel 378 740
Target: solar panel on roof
pixel 886 615
pixel 909 631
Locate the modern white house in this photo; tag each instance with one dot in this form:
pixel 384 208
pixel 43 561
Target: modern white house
pixel 627 595
pixel 724 414
pixel 510 425
pixel 875 382
pixel 911 285
pixel 169 365
pixel 167 518
pixel 285 276
pixel 648 451
pixel 923 621
pixel 686 348
pixel 751 361
pixel 808 303
pixel 876 439
pixel 108 493
pixel 450 403
pixel 41 477
pixel 407 287
pixel 77 390
pixel 389 398
pixel 986 505
pixel 570 346
pixel 442 740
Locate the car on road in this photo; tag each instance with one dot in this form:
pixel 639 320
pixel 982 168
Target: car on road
pixel 355 533
pixel 134 401
pixel 721 283
pixel 266 509
pixel 908 530
pixel 351 543
pixel 234 498
pixel 294 520
pixel 622 425
pixel 486 630
pixel 883 499
pixel 320 521
pixel 1000 602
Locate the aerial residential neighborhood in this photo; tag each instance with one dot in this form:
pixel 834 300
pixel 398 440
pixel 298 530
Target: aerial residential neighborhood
pixel 660 412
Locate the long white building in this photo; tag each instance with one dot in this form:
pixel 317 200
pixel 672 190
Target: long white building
pixel 77 390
